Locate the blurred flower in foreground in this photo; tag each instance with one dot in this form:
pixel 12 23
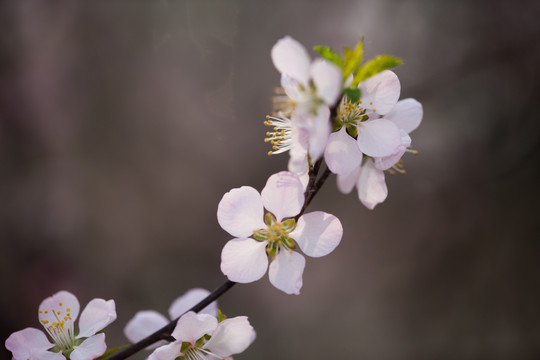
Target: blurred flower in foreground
pixel 241 214
pixel 146 322
pixel 201 336
pixel 57 315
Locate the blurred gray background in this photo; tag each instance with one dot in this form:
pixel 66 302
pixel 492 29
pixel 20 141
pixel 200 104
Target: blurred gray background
pixel 122 123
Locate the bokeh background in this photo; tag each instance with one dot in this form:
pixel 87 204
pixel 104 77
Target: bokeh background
pixel 122 123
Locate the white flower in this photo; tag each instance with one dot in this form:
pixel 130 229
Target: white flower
pixel 369 177
pixel 146 322
pixel 302 124
pixel 241 214
pixel 200 337
pixel 57 315
pixel 376 136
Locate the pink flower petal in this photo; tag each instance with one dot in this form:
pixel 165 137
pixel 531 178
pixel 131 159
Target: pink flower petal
pixel 342 154
pixel 319 132
pixel 346 183
pixel 192 326
pixel 407 114
pixel 240 211
pixel 167 352
pixel 244 260
pixel 61 304
pixel 380 92
pixel 327 78
pixel 91 348
pixel 371 186
pixel 387 162
pixel 188 300
pixel 291 58
pixel 285 272
pixel 96 316
pixel 22 342
pixel 317 233
pixel 232 336
pixel 144 323
pixel 378 138
pixel 283 195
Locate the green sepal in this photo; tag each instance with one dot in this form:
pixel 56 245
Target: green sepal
pixel 269 219
pixel 288 242
pixel 272 248
pixel 375 66
pixel 111 351
pixel 221 316
pixel 185 346
pixel 328 54
pixel 337 125
pixel 261 235
pixel 352 130
pixel 288 225
pixel 353 59
pixel 353 94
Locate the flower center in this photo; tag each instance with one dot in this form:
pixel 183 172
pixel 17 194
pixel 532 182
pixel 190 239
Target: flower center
pixel 280 138
pixel 351 113
pixel 59 324
pixel 276 234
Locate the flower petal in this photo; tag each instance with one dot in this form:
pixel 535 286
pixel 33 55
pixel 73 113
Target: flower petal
pixel 327 78
pixel 188 300
pixel 144 323
pixel 191 326
pixel 283 195
pixel 378 138
pixel 232 336
pixel 22 342
pixel 90 348
pixel 387 162
pixel 240 211
pixel 317 233
pixel 244 260
pixel 342 154
pixel 285 272
pixel 345 183
pixel 61 304
pixel 96 316
pixel 407 114
pixel 167 352
pixel 319 133
pixel 44 355
pixel 380 92
pixel 371 186
pixel 291 58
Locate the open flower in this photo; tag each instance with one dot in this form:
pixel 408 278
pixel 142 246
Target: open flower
pixel 200 337
pixel 276 234
pixel 57 314
pixel 146 322
pixel 369 177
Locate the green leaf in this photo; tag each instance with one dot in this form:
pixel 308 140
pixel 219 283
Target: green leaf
pixel 221 316
pixel 353 94
pixel 111 351
pixel 353 58
pixel 375 66
pixel 328 54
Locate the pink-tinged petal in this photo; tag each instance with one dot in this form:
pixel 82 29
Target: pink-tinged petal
pixel 285 272
pixel 342 154
pixel 317 233
pixel 371 186
pixel 387 162
pixel 232 336
pixel 380 92
pixel 293 90
pixel 378 138
pixel 346 183
pixel 167 352
pixel 283 195
pixel 61 304
pixel 291 58
pixel 22 342
pixel 44 355
pixel 319 133
pixel 90 348
pixel 190 299
pixel 407 114
pixel 144 323
pixel 96 316
pixel 191 326
pixel 244 260
pixel 327 78
pixel 240 211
